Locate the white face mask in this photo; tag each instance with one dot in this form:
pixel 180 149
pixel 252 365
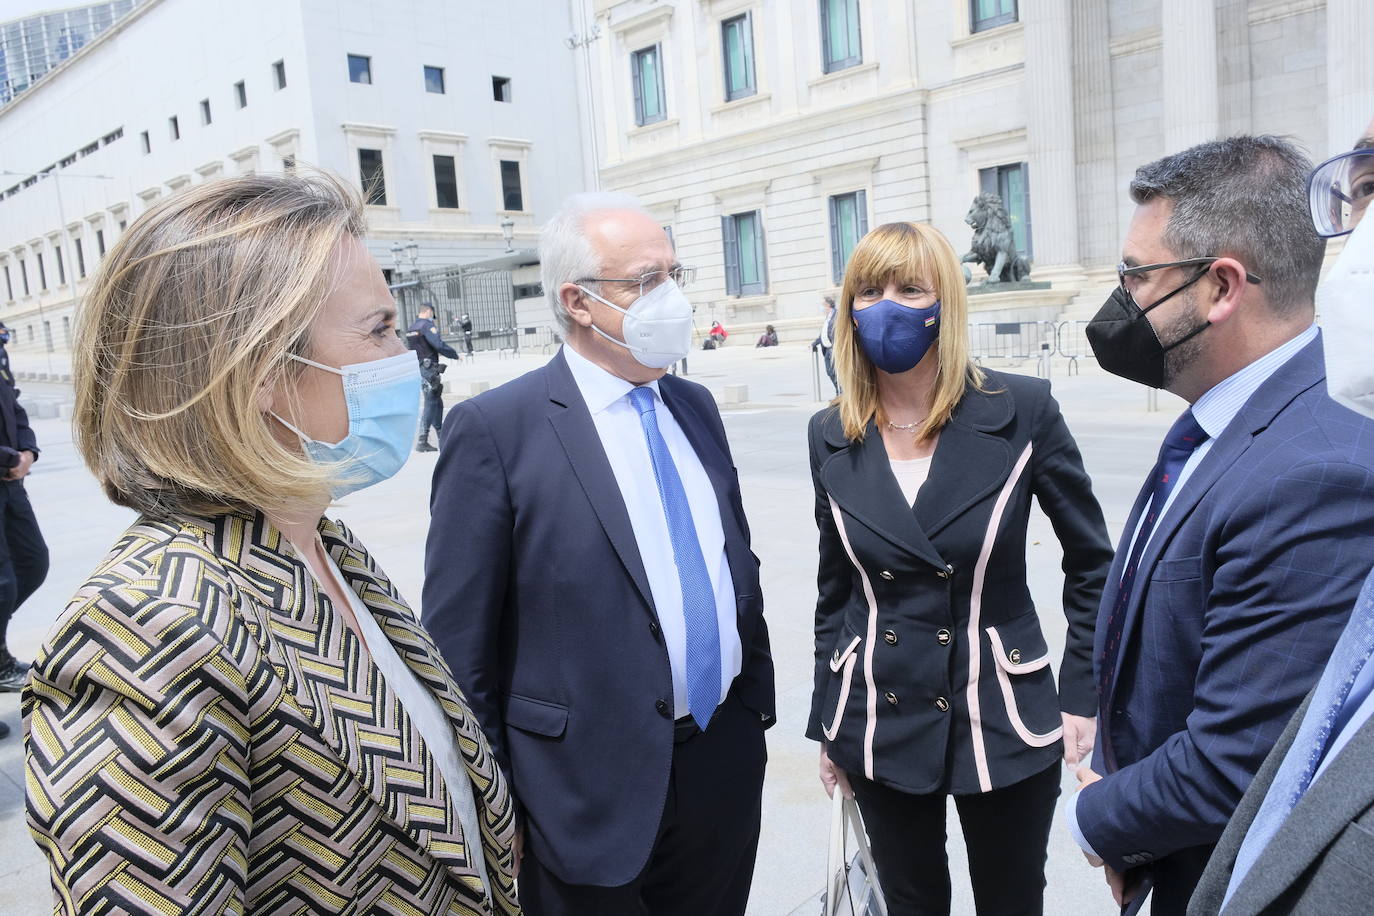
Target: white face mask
pixel 658 325
pixel 1345 302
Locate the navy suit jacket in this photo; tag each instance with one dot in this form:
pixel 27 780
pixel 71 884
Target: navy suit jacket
pixel 1239 598
pixel 536 595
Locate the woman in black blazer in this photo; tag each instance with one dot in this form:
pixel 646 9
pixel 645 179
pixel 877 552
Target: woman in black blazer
pixel 932 675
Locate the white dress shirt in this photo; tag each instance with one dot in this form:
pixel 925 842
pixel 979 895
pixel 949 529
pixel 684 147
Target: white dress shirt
pixel 1214 411
pixel 622 437
pixel 436 731
pixel 911 474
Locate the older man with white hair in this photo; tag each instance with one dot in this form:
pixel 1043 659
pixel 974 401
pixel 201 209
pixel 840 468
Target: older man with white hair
pixel 589 580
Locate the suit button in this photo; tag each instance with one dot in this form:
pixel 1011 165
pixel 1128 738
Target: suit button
pixel 943 637
pixel 890 637
pixel 891 697
pixel 662 707
pixel 887 575
pixel 1014 656
pixel 653 628
pixel 942 704
pixel 946 572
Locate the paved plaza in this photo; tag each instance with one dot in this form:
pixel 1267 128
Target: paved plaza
pixel 1109 417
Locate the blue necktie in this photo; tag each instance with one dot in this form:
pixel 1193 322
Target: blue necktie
pixel 1184 436
pixel 698 597
pixel 1300 764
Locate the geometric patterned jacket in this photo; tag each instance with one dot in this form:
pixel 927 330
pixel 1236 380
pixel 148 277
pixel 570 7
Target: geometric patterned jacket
pixel 204 735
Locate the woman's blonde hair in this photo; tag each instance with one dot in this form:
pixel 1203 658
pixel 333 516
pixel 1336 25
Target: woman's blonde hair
pixel 187 330
pixel 904 253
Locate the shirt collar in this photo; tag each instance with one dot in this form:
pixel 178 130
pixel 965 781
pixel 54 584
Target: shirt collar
pixel 600 390
pixel 1215 410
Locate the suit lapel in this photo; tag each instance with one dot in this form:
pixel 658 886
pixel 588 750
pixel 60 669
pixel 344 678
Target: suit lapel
pixel 330 674
pixel 709 453
pixel 1338 797
pixel 1300 373
pixel 969 462
pixel 573 424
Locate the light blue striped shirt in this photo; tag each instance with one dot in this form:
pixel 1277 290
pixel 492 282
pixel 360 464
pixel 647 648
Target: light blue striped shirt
pixel 1214 411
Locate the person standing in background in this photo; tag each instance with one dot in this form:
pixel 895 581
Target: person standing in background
pixel 424 339
pixel 825 341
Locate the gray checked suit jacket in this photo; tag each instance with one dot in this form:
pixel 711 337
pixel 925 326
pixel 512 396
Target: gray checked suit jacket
pixel 1321 860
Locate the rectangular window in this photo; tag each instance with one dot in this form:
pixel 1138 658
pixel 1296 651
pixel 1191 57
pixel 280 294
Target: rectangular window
pixel 66 161
pixel 66 330
pixel 374 181
pixel 24 275
pixel 434 80
pixel 241 94
pixel 279 74
pixel 47 334
pixel 737 44
pixel 147 143
pixel 100 243
pixel 80 259
pixel 359 69
pixel 745 271
pixel 445 183
pixel 840 46
pixel 848 224
pixel 42 273
pixel 174 127
pixel 86 150
pixel 511 194
pixel 112 136
pixel 500 88
pixel 61 267
pixel 988 14
pixel 646 73
pixel 1012 184
pixel 205 111
pixel 122 225
pixel 9 285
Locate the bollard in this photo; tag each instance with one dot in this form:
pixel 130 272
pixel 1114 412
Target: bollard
pixel 816 374
pixel 736 394
pixel 1151 400
pixel 476 388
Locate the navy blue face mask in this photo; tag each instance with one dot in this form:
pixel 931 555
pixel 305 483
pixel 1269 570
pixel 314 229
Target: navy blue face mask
pixel 896 337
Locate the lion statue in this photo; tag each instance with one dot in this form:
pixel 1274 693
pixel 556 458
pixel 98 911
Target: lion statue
pixel 993 246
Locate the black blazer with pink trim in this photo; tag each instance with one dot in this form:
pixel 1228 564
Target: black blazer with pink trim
pixel 932 674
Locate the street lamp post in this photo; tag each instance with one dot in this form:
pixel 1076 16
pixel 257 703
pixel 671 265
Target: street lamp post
pixel 508 232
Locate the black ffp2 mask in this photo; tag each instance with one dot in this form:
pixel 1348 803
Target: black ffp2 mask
pixel 1124 341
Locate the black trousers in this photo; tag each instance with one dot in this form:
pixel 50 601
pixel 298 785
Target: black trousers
pixel 1007 833
pixel 703 858
pixel 23 553
pixel 431 414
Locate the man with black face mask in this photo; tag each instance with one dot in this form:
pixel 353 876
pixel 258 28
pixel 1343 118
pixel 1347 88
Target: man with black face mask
pixel 1237 568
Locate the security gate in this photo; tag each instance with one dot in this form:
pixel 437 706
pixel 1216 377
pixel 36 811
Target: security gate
pixel 485 295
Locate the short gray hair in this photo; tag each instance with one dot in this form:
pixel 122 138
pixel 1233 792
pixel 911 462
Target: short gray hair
pixel 565 253
pixel 1247 197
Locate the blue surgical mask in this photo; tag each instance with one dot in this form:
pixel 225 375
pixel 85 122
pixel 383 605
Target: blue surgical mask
pixel 895 337
pixel 383 399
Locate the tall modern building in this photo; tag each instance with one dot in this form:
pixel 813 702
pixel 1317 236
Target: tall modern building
pixel 769 135
pixel 460 122
pixel 33 45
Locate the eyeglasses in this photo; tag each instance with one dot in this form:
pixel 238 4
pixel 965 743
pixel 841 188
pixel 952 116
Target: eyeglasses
pixel 1122 271
pixel 682 276
pixel 1339 191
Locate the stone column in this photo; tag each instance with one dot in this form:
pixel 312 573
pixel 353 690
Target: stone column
pixel 1349 73
pixel 1189 66
pixel 1094 135
pixel 1050 132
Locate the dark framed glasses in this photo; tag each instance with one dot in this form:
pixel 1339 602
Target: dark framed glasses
pixel 682 276
pixel 1339 190
pixel 1122 271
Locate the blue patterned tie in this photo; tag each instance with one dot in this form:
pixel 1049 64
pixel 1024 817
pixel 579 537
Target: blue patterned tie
pixel 1300 764
pixel 1184 436
pixel 698 597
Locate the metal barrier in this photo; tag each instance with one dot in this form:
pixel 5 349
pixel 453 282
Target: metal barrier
pixel 1025 340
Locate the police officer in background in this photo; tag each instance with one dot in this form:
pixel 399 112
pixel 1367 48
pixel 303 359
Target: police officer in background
pixel 465 325
pixel 424 339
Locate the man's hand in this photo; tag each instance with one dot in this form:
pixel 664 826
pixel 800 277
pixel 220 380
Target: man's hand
pixel 21 470
pixel 833 777
pixel 1079 734
pixel 1124 887
pixel 1086 777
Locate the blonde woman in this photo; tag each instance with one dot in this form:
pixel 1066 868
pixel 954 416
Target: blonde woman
pixel 238 712
pixel 932 675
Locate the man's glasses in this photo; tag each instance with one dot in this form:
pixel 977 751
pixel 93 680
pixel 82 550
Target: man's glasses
pixel 1123 272
pixel 682 276
pixel 1340 190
